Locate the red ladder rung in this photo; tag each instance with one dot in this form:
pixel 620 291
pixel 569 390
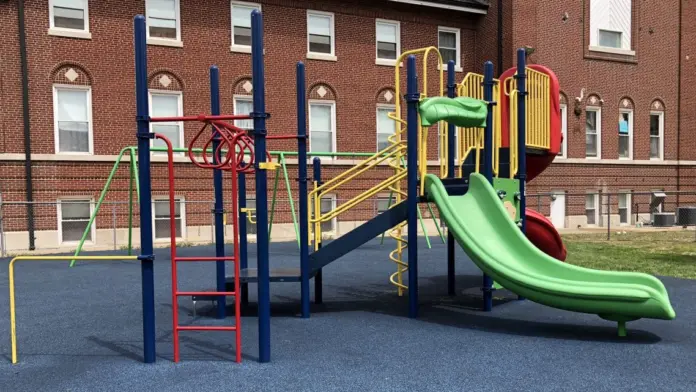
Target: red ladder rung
pixel 205 328
pixel 204 258
pixel 206 293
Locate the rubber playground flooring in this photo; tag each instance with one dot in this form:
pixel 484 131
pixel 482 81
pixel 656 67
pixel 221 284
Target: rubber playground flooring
pixel 80 329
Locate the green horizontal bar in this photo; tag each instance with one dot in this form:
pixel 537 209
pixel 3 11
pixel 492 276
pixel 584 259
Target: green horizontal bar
pixel 313 154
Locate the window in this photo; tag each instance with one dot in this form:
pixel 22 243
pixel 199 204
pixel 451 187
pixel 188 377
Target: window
pixel 564 131
pixel 322 126
pixel 388 46
pixel 625 208
pixel 385 126
pixel 243 104
pixel 383 203
pixel 657 131
pixel 167 104
pixel 328 204
pixel 591 210
pixel 251 204
pixel 448 45
pixel 69 18
pixel 320 35
pixel 241 25
pixel 72 112
pixel 610 26
pixel 163 22
pixel 593 133
pixel 73 218
pixel 162 222
pixel 625 134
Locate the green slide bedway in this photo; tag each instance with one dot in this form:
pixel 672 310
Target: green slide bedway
pixel 485 231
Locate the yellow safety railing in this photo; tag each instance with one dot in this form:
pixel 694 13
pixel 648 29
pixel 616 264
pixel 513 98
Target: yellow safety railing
pixel 471 139
pixel 514 161
pixel 538 109
pixel 13 319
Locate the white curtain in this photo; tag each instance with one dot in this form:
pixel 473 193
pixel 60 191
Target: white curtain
pixel 386 32
pixel 161 13
pixel 319 25
pixel 241 16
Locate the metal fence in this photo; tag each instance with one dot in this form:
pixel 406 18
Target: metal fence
pixel 617 211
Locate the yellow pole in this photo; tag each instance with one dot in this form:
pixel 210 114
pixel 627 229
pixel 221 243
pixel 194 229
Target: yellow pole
pixel 13 319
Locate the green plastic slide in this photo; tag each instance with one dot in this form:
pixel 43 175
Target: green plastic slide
pixel 493 241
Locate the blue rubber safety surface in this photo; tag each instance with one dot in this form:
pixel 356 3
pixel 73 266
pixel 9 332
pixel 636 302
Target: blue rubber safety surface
pixel 80 329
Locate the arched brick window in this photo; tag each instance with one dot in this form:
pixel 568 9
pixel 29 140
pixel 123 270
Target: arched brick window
pixel 385 125
pixel 322 118
pixel 563 101
pixel 593 126
pixel 167 100
pixel 625 128
pixel 657 130
pixel 72 109
pixel 243 101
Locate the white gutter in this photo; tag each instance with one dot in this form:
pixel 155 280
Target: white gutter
pixel 444 6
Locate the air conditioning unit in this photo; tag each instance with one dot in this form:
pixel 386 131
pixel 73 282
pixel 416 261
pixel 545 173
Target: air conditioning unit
pixel 663 219
pixel 686 216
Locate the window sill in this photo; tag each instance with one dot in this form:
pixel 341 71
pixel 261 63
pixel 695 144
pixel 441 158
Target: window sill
pixel 611 54
pixel 69 33
pixel 457 68
pixel 71 153
pixel 602 49
pixel 165 42
pixel 387 62
pixel 240 48
pixel 321 56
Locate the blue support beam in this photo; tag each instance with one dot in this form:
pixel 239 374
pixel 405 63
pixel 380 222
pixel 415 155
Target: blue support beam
pixel 412 99
pixel 259 115
pixel 522 136
pixel 302 183
pixel 217 185
pixel 318 278
pixel 147 256
pixel 488 84
pixel 451 155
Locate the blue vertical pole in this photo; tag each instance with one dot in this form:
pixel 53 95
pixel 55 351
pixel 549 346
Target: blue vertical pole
pixel 302 182
pixel 147 256
pixel 488 83
pixel 522 136
pixel 259 115
pixel 522 133
pixel 217 185
pixel 412 99
pixel 243 245
pixel 451 154
pixel 318 278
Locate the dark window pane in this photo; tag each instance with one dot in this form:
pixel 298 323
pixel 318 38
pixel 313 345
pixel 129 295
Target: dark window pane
pixel 163 32
pixel 242 35
pixel 654 147
pixel 386 50
pixel 73 230
pixel 623 215
pixel 319 43
pixel 623 146
pixel 610 39
pixel 654 125
pixel 447 40
pixel 448 54
pixel 69 18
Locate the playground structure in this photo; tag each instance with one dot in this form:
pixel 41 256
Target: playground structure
pixel 507 128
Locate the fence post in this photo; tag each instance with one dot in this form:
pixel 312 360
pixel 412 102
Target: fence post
pixel 600 207
pixel 539 203
pixel 2 230
pixel 212 222
pixel 608 216
pixel 113 213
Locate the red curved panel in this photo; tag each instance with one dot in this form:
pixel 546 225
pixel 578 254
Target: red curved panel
pixel 542 233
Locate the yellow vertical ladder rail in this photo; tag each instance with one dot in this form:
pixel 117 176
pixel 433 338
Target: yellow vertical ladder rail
pixel 13 313
pixel 538 109
pixel 514 161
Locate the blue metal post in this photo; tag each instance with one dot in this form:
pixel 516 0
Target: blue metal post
pixel 147 256
pixel 488 83
pixel 217 185
pixel 412 99
pixel 318 278
pixel 451 155
pixel 259 115
pixel 243 245
pixel 302 180
pixel 522 135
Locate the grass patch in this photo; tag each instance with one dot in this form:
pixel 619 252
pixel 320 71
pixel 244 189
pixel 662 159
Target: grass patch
pixel 668 253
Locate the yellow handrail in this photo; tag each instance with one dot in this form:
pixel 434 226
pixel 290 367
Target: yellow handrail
pixel 514 161
pixel 538 109
pixel 13 319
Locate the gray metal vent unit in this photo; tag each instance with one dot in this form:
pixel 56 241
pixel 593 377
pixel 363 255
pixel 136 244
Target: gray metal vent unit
pixel 686 216
pixel 663 219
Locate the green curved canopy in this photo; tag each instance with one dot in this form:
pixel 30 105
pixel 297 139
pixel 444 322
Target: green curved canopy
pixel 461 111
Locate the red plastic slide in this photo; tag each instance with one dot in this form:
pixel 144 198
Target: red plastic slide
pixel 544 236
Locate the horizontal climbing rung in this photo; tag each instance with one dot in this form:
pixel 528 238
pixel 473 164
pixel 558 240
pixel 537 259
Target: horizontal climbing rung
pixel 205 293
pixel 205 328
pixel 230 258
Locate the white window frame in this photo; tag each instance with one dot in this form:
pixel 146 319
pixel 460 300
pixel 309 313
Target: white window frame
pixel 159 41
pixel 628 207
pixel 56 132
pixel 233 46
pixel 595 196
pixel 389 62
pixel 382 106
pixel 240 97
pixel 594 36
pixel 630 134
pixel 458 33
pixel 661 114
pixel 597 109
pixel 182 207
pixel 180 112
pixel 332 24
pixel 334 220
pixel 564 131
pixel 72 33
pixel 333 124
pixel 59 215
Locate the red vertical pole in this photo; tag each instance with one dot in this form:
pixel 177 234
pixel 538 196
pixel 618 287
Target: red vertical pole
pixel 235 241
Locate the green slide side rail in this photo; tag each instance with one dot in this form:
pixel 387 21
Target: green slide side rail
pixel 495 244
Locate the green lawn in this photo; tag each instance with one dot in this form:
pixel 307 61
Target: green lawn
pixel 671 253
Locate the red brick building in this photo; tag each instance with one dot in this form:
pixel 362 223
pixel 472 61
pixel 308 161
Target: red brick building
pixel 629 64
